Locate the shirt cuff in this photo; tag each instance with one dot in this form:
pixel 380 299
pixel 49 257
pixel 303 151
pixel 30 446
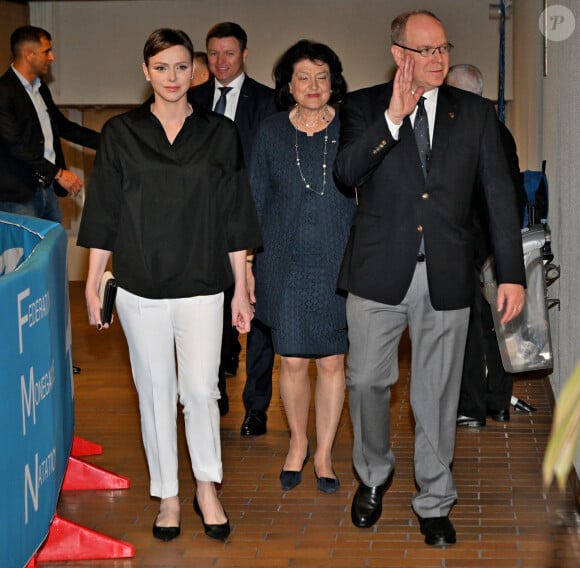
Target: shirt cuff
pixel 393 128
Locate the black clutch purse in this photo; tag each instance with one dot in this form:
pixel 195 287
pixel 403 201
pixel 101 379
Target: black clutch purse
pixel 107 293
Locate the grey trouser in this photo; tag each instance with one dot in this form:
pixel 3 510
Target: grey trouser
pixel 438 344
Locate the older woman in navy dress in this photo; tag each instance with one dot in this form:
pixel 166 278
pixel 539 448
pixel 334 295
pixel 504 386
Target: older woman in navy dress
pixel 305 221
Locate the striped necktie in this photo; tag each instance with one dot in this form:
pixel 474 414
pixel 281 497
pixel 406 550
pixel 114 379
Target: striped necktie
pixel 421 130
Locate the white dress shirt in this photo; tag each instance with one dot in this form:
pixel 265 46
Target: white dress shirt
pixel 232 97
pixel 42 112
pixel 430 108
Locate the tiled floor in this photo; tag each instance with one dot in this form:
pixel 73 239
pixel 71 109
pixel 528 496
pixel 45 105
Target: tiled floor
pixel 503 517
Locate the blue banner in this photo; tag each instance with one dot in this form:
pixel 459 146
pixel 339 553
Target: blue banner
pixel 37 406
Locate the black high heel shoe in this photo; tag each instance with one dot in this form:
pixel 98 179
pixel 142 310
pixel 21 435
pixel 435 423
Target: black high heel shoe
pixel 290 479
pixel 327 484
pixel 165 533
pixel 219 532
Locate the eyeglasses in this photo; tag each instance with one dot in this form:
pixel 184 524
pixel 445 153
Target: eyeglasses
pixel 428 51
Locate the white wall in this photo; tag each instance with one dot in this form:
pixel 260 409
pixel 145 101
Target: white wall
pixel 547 126
pixel 98 44
pixel 561 148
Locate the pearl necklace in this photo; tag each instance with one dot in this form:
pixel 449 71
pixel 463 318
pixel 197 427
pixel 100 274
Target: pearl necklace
pixel 308 186
pixel 321 118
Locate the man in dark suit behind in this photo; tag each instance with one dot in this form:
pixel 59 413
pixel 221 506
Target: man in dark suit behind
pixel 247 103
pixel 32 164
pixel 486 389
pixel 409 260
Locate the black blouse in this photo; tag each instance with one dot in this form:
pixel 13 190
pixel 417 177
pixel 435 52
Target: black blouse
pixel 170 213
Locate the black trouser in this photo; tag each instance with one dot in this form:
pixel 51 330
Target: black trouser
pixel 259 362
pixel 231 347
pixel 479 393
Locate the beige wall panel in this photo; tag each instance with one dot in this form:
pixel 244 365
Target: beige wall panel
pixel 98 44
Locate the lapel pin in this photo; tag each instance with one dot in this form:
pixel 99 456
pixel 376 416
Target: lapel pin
pixel 451 115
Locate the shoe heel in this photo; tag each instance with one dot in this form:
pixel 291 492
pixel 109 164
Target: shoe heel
pixel 217 532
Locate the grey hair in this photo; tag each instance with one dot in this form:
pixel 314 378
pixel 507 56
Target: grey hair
pixel 466 77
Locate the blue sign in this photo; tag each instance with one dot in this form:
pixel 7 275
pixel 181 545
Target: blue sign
pixel 37 405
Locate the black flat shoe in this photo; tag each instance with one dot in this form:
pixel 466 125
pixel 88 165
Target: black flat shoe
pixel 254 423
pixel 290 479
pixel 438 531
pixel 165 533
pixel 367 504
pixel 327 484
pixel 499 415
pixel 219 532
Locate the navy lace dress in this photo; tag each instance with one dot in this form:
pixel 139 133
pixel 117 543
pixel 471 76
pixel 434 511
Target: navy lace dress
pixel 304 235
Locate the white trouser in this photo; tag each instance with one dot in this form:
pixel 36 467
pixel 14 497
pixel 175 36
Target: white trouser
pixel 157 331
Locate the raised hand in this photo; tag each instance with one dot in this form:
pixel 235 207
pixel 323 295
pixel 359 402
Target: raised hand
pixel 404 98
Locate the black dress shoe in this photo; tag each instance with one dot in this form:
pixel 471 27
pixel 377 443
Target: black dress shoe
pixel 522 406
pixel 499 415
pixel 165 533
pixel 290 479
pixel 254 423
pixel 470 422
pixel 367 504
pixel 438 531
pixel 219 532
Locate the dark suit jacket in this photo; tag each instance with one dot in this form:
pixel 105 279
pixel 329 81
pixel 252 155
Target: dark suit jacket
pixel 255 103
pixel 22 163
pixel 397 206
